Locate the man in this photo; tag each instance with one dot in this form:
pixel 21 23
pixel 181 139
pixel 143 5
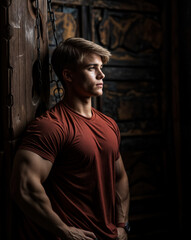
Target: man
pixel 68 175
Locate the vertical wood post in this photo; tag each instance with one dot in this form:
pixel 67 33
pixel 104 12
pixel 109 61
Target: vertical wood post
pixel 20 94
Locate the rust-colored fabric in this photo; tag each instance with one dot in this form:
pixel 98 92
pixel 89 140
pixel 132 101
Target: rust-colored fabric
pixel 81 184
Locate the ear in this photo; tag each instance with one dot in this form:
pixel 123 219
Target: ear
pixel 67 76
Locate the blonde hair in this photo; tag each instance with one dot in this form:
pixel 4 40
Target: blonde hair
pixel 70 54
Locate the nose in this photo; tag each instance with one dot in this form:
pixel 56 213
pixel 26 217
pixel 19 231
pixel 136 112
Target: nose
pixel 100 74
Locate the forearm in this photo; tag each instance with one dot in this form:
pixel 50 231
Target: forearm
pixel 36 205
pixel 122 200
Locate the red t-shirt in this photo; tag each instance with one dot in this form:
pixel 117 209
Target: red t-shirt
pixel 81 184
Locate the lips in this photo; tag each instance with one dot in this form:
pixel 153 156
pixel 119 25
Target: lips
pixel 99 84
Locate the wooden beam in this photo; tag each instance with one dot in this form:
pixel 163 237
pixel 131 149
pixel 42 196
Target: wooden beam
pixel 137 5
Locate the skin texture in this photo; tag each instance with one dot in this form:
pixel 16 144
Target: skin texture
pixel 122 197
pixel 83 84
pixel 30 170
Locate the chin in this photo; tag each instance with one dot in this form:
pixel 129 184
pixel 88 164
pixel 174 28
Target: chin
pixel 98 94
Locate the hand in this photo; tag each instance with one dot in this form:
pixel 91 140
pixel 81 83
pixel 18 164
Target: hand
pixel 122 235
pixel 78 234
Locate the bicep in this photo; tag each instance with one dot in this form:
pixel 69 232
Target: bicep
pixel 28 167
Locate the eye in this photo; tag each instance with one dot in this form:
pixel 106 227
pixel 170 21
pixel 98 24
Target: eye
pixel 91 68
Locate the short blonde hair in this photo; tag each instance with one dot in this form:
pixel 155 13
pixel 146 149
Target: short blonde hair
pixel 70 54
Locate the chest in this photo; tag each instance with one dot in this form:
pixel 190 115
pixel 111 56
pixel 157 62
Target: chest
pixel 89 145
pixel 88 138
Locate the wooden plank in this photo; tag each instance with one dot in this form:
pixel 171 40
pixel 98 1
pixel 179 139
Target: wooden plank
pixel 128 73
pixel 140 127
pixel 130 101
pixel 135 5
pixel 20 93
pixel 141 143
pixel 139 108
pixel 148 202
pixel 84 22
pixel 67 24
pixel 122 34
pixel 144 168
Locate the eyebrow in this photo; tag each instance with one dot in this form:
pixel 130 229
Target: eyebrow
pixel 93 64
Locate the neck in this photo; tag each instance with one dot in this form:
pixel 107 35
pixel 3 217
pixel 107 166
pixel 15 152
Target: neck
pixel 80 105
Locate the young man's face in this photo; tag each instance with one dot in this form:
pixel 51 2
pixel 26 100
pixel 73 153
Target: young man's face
pixel 87 80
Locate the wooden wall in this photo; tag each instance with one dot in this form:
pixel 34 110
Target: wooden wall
pixel 20 93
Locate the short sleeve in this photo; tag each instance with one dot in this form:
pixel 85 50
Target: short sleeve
pixel 118 135
pixel 44 137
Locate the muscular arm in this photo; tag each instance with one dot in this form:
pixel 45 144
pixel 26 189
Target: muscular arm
pixel 122 194
pixel 29 173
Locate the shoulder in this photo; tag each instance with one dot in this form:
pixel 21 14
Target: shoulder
pixel 45 135
pixel 103 116
pixel 49 122
pixel 110 121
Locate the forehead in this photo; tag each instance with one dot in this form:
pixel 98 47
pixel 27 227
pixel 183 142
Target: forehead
pixel 92 58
